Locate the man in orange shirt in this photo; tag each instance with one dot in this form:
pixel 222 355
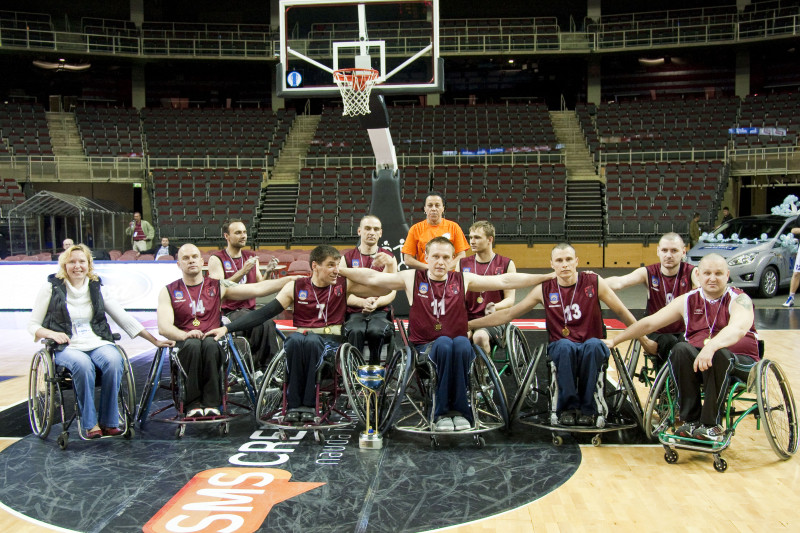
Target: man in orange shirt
pixel 434 225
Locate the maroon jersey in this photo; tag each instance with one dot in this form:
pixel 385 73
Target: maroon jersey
pixel 231 266
pixel 705 318
pixel 355 259
pixel 201 301
pixel 449 300
pixel 498 265
pixel 317 307
pixel 576 308
pixel 662 289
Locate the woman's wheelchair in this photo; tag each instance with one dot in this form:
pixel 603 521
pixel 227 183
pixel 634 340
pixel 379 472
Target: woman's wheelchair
pixel 773 406
pixel 47 383
pixel 336 391
pixel 236 374
pixel 617 404
pixel 408 400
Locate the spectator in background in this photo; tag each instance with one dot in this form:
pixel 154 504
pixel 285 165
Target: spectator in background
pixel 67 243
pixel 694 230
pixel 726 215
pixel 434 225
pixel 164 249
pixel 141 232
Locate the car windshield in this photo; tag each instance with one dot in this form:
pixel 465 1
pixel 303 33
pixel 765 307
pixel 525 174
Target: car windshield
pixel 751 228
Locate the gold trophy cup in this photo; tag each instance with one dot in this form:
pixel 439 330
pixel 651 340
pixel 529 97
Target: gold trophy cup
pixel 371 378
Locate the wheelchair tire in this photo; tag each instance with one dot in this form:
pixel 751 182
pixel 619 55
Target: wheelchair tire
pixel 659 414
pixel 627 390
pixel 41 393
pixel 150 387
pixel 528 392
pixel 349 360
pixel 493 396
pixel 519 353
pixel 631 357
pixel 394 388
pixel 127 393
pixel 776 408
pixel 270 394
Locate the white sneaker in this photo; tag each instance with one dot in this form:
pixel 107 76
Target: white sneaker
pixel 194 413
pixel 789 301
pixel 460 423
pixel 211 411
pixel 445 423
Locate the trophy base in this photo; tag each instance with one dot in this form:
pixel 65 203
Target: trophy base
pixel 372 441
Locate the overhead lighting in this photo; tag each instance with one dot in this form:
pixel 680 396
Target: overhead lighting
pixel 651 61
pixel 510 61
pixel 61 65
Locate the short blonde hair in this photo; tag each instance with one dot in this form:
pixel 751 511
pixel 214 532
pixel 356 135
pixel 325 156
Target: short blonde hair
pixel 64 257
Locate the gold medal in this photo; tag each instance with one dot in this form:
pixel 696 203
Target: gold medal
pixel 326 330
pixel 480 299
pixel 437 327
pixel 195 322
pixel 565 331
pixel 706 341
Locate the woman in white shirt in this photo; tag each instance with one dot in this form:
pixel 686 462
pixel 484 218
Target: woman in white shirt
pixel 71 310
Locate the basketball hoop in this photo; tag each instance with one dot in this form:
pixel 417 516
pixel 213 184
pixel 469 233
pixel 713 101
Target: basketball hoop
pixel 355 85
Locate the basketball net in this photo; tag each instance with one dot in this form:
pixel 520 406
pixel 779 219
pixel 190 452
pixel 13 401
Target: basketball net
pixel 355 84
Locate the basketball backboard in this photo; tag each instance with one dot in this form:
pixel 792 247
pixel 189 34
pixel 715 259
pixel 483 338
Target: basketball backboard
pixel 398 38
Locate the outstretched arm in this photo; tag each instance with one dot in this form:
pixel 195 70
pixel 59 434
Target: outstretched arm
pixel 531 300
pixel 667 315
pixel 254 290
pixel 503 282
pixel 637 277
pixel 367 282
pixel 259 316
pixel 610 298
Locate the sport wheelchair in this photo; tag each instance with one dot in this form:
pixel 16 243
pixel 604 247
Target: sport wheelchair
pixel 408 401
pixel 773 406
pixel 336 392
pixel 618 405
pixel 47 383
pixel 237 372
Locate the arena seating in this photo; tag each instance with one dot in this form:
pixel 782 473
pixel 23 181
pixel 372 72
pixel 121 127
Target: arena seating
pixel 781 111
pixel 23 130
pixel 10 195
pixel 110 131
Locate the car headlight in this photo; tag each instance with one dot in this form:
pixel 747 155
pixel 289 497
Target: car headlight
pixel 744 259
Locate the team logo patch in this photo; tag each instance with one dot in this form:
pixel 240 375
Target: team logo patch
pixel 466 269
pixel 654 282
pixel 553 297
pixel 498 271
pixel 423 288
pixel 337 291
pixel 303 295
pixel 211 292
pixel 227 265
pixel 178 295
pixel 355 263
pixel 589 291
pixel 453 289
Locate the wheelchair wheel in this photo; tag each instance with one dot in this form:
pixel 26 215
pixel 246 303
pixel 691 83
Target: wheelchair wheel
pixel 41 393
pixel 519 354
pixel 528 393
pixel 626 391
pixel 127 395
pixel 631 358
pixel 488 394
pixel 150 387
pixel 659 412
pixel 776 408
pixel 270 395
pixel 394 387
pixel 350 359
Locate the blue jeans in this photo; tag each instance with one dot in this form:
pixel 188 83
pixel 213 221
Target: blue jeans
pixel 452 359
pixel 304 355
pixel 82 367
pixel 584 359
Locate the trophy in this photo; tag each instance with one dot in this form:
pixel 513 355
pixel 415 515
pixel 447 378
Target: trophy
pixel 371 378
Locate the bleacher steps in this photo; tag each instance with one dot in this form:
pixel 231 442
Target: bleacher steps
pixel 577 157
pixel 64 135
pixel 275 219
pixel 287 167
pixel 583 212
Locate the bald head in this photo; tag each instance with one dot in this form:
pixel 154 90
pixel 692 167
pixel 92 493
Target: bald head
pixel 713 260
pixel 713 274
pixel 190 261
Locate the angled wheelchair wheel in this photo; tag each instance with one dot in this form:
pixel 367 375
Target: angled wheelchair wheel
pixel 659 411
pixel 519 354
pixel 270 395
pixel 631 357
pixel 776 408
pixel 150 387
pixel 529 392
pixel 127 395
pixel 41 393
pixel 626 391
pixel 394 387
pixel 350 359
pixel 488 394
